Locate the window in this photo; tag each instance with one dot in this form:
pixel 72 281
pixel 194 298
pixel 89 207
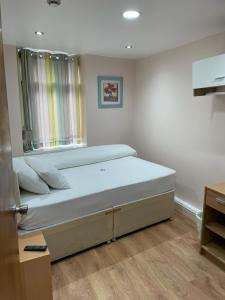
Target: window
pixel 52 109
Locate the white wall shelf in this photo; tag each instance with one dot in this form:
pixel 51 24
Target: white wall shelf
pixel 208 76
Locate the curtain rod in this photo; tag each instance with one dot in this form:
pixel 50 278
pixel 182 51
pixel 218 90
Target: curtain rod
pixel 45 51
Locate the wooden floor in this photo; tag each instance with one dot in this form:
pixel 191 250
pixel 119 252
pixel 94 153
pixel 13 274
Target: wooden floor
pixel 160 262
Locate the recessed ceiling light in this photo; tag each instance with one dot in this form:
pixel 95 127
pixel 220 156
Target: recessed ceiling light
pixel 131 14
pixel 129 47
pixel 39 33
pixel 54 3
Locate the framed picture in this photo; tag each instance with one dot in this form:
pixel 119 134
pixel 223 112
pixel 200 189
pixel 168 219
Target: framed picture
pixel 110 92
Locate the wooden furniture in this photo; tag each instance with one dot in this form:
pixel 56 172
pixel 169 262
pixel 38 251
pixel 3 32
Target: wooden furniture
pixel 208 76
pixel 35 269
pixel 82 233
pixel 213 227
pixel 9 254
pixel 220 90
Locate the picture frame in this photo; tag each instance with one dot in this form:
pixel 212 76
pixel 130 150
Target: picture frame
pixel 110 91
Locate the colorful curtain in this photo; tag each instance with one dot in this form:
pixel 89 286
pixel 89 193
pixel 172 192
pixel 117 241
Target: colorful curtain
pixel 51 99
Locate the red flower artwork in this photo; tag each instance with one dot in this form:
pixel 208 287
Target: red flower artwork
pixel 110 92
pixel 110 88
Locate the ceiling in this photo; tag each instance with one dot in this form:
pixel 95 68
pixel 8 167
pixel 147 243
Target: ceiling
pixel 97 26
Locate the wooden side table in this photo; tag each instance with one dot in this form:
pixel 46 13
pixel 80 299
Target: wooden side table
pixel 35 269
pixel 213 227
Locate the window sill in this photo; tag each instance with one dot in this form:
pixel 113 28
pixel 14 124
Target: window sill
pixel 55 149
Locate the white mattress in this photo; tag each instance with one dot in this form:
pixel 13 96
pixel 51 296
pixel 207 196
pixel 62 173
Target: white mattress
pixel 96 187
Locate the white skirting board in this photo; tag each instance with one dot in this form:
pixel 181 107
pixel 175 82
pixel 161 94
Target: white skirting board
pixel 187 209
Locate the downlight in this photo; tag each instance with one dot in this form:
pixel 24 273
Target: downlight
pixel 131 14
pixel 54 3
pixel 39 33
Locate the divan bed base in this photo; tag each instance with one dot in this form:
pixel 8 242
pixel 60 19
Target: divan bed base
pixel 80 234
pixel 142 213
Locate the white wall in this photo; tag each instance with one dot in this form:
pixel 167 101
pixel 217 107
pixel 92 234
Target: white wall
pixel 13 99
pixel 175 129
pixel 108 126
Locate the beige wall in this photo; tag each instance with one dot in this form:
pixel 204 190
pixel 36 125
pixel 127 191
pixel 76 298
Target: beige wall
pixel 107 126
pixel 104 126
pixel 175 129
pixel 13 99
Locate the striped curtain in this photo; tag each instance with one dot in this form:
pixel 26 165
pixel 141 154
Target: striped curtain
pixel 51 99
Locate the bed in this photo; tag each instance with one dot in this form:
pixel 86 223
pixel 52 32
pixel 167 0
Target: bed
pixel 108 199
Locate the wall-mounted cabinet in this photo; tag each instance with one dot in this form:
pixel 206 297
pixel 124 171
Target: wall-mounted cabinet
pixel 208 76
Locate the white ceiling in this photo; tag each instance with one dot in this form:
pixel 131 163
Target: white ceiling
pixel 97 26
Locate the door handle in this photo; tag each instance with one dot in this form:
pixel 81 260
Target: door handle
pixel 22 209
pixel 220 78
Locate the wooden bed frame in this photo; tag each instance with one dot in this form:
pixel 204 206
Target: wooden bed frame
pixel 104 226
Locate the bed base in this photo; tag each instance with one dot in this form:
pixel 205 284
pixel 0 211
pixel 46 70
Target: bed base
pixel 105 226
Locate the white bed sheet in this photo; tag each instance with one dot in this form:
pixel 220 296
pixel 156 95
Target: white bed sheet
pixel 97 187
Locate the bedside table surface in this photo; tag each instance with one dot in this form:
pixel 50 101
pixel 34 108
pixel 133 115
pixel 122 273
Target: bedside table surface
pixel 218 188
pixel 32 239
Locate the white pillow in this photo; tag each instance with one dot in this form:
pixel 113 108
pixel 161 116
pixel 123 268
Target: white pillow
pixel 28 179
pixel 86 155
pixel 48 173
